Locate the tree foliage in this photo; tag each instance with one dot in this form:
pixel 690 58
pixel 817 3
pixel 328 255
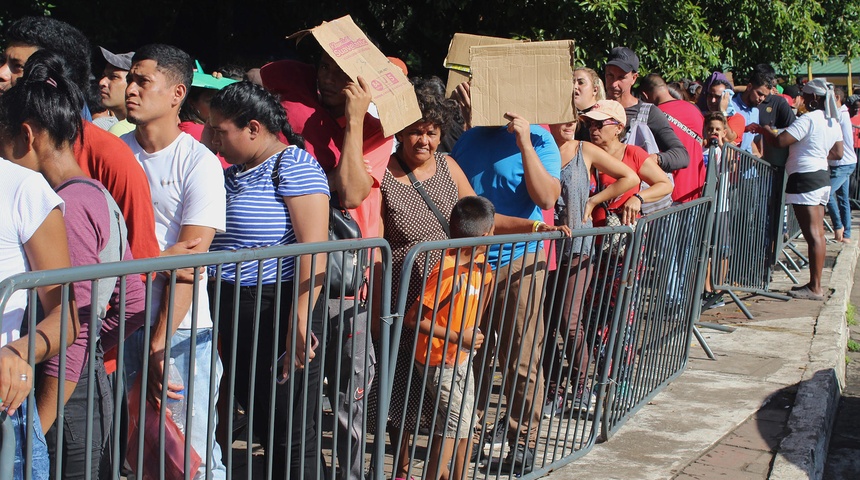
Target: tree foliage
pixel 680 38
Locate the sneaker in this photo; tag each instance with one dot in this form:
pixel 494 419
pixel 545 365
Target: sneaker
pixel 520 460
pixel 585 400
pixel 713 301
pixel 496 435
pixel 554 405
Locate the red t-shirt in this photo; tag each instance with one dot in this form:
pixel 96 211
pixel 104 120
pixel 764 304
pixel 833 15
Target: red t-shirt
pixel 690 180
pixel 296 85
pixel 737 123
pixel 855 120
pixel 106 158
pixel 634 157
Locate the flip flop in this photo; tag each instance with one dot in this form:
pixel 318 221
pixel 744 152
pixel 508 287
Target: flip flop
pixel 805 294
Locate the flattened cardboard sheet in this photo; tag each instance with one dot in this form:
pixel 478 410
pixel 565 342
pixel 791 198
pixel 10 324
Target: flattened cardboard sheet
pixel 531 79
pixel 357 56
pixel 458 62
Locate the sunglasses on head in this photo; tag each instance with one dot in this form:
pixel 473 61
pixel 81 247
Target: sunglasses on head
pixel 600 123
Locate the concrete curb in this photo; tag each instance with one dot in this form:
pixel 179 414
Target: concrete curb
pixel 802 453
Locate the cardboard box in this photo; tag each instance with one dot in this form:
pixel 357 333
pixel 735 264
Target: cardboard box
pixel 458 61
pixel 356 55
pixel 534 80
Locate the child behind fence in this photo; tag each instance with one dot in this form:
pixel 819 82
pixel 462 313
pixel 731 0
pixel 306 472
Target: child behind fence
pixel 447 335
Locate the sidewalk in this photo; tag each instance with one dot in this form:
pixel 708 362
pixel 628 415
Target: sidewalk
pixel 763 410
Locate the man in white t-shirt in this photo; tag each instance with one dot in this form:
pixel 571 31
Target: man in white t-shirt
pixel 189 202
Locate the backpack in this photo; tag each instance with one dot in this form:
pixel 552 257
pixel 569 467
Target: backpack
pixel 639 134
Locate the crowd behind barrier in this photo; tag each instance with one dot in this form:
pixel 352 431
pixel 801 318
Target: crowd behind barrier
pixel 611 334
pixel 452 352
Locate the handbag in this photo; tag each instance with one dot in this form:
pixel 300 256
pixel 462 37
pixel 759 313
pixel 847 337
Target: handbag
pixel 174 440
pixel 345 267
pixel 345 270
pixel 429 201
pixel 611 241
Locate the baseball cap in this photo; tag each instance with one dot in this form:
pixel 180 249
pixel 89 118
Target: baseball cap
pixel 121 61
pixel 624 58
pixel 605 109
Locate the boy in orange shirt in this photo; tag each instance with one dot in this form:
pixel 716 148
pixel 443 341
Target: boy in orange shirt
pixel 447 336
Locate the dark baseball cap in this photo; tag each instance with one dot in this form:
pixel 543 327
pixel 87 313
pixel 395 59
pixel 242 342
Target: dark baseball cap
pixel 624 58
pixel 120 61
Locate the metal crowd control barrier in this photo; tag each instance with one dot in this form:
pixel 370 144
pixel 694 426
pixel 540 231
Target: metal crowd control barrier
pixel 313 438
pixel 854 186
pixel 744 241
pixel 663 281
pixel 792 233
pixel 533 379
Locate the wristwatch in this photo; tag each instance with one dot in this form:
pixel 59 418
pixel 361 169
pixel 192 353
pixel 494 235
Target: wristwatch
pixel 659 160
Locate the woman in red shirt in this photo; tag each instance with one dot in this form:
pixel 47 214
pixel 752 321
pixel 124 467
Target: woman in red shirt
pixel 605 123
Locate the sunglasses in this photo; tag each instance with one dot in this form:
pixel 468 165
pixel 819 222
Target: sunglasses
pixel 600 123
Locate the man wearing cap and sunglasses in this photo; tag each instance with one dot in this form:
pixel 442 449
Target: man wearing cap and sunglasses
pixel 112 88
pixel 622 71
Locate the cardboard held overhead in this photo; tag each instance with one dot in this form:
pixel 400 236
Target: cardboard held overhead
pixel 458 61
pixel 531 79
pixel 357 56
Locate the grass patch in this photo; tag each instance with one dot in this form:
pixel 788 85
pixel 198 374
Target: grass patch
pixel 853 346
pixel 851 315
pixel 847 360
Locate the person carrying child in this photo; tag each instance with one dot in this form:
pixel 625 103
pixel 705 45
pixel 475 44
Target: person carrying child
pixel 448 336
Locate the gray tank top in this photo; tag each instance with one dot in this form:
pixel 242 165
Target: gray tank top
pixel 570 207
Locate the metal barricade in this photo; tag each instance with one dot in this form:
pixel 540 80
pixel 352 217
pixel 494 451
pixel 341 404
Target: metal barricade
pixel 535 385
pixel 791 233
pixel 745 241
pixel 311 424
pixel 662 284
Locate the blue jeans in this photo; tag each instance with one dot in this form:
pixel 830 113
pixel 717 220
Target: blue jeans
pixel 202 404
pixel 839 205
pixel 41 464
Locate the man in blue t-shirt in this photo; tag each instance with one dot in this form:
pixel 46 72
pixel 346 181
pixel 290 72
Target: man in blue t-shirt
pixel 516 167
pixel 747 104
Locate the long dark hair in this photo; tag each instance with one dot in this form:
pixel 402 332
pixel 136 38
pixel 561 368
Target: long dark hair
pixel 46 96
pixel 244 101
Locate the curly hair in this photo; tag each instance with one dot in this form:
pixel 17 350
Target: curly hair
pixel 435 108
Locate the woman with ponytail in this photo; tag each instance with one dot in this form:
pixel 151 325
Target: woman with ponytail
pixel 40 114
pixel 277 194
pixel 47 103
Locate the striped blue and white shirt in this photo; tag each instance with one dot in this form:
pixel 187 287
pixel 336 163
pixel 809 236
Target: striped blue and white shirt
pixel 257 216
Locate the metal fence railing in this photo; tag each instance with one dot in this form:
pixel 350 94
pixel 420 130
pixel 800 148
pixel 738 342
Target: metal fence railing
pixel 535 386
pixel 660 305
pixel 747 219
pixel 299 434
pixel 568 351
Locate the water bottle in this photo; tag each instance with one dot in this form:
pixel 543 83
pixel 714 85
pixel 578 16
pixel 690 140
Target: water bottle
pixel 176 406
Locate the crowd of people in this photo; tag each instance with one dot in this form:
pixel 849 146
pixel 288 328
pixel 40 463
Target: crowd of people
pixel 152 157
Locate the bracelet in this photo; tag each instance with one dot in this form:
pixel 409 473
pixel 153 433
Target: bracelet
pixel 641 202
pixel 15 351
pixel 537 225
